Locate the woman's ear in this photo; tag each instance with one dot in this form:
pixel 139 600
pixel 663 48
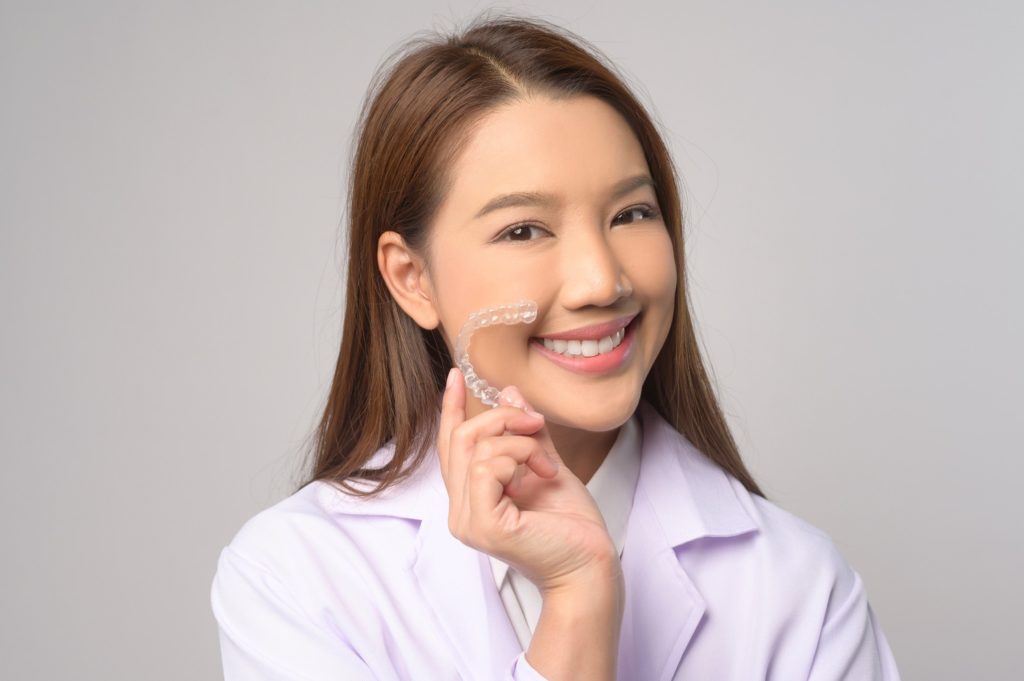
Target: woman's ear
pixel 406 277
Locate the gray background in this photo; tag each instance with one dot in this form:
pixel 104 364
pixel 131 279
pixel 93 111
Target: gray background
pixel 170 292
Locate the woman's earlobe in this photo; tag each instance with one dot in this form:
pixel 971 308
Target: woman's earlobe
pixel 404 274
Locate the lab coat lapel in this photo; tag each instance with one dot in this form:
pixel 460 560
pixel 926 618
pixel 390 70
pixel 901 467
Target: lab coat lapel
pixel 680 496
pixel 454 580
pixel 457 582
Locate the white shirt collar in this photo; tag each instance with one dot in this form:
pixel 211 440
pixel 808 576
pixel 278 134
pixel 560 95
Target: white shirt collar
pixel 612 486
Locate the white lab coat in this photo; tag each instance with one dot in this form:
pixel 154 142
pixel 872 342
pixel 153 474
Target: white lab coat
pixel 720 585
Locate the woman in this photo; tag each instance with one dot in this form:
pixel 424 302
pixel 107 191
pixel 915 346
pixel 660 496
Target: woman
pixel 598 523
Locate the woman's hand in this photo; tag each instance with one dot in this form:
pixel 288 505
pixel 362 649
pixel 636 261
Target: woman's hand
pixel 511 496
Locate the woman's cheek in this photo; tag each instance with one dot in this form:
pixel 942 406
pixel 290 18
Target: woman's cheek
pixel 655 282
pixel 654 278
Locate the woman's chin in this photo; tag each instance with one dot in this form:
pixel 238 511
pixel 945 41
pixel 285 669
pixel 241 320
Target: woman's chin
pixel 593 417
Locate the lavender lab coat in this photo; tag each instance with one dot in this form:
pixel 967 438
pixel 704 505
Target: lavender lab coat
pixel 721 585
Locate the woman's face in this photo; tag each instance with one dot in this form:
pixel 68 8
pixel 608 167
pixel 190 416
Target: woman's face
pixel 588 245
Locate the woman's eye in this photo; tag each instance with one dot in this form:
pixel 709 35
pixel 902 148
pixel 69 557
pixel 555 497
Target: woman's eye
pixel 520 233
pixel 529 232
pixel 645 213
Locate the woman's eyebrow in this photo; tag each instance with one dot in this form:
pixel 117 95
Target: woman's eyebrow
pixel 620 189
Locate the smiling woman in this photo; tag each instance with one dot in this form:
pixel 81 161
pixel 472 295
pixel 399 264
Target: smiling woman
pixel 594 251
pixel 599 521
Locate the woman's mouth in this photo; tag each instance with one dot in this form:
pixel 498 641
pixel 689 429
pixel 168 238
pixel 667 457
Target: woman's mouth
pixel 591 355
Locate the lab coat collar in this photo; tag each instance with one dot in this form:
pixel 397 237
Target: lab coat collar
pixel 681 496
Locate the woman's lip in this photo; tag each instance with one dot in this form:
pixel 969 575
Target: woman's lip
pixel 598 364
pixel 592 332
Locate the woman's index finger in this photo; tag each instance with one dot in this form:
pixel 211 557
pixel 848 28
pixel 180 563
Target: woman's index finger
pixel 453 412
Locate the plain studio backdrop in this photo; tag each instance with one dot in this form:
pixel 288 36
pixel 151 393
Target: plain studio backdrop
pixel 173 179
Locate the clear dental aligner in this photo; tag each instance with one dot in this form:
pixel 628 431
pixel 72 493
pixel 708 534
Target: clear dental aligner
pixel 522 312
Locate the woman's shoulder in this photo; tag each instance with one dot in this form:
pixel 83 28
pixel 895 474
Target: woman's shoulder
pixel 795 555
pixel 298 517
pixel 784 527
pixel 314 572
pixel 324 513
pixel 797 580
pixel 321 526
pixel 295 553
pixel 722 508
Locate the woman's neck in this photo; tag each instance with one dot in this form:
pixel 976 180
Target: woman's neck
pixel 583 451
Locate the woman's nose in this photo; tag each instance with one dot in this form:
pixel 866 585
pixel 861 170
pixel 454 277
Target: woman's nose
pixel 593 273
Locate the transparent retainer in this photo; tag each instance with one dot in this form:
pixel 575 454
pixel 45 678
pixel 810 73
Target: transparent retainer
pixel 522 312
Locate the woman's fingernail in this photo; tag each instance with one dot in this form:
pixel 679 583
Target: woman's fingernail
pixel 451 379
pixel 511 397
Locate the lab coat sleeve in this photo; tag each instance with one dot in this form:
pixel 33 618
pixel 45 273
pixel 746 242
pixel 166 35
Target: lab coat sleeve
pixel 851 646
pixel 265 635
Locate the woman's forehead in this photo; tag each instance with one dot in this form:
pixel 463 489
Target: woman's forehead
pixel 571 148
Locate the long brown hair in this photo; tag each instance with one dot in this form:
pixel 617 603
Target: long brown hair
pixel 419 110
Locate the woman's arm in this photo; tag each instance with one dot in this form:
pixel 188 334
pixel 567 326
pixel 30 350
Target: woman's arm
pixel 851 644
pixel 577 636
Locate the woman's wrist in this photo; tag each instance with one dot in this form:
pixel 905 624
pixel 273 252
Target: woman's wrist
pixel 580 622
pixel 600 578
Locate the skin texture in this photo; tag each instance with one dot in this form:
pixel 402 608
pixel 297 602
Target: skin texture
pixel 570 259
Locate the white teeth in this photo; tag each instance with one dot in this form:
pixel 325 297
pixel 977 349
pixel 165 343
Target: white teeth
pixel 585 348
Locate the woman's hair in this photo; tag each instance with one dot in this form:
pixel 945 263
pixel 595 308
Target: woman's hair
pixel 417 116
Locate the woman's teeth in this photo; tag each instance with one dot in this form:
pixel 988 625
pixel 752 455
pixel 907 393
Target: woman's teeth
pixel 585 348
